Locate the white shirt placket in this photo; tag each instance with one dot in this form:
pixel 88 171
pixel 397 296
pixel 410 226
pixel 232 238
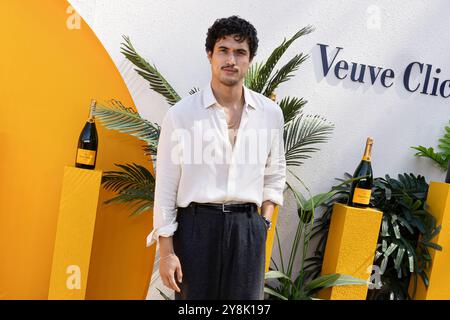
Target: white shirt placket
pixel 233 151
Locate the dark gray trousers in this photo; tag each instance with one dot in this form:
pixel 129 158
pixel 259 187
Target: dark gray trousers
pixel 222 254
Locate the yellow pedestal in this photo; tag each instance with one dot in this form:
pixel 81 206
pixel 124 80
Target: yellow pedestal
pixel 270 236
pixel 74 234
pixel 350 249
pixel 438 201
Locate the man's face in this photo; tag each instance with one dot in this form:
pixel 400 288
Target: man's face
pixel 230 60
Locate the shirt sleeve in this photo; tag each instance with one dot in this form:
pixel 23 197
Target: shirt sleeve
pixel 275 170
pixel 168 172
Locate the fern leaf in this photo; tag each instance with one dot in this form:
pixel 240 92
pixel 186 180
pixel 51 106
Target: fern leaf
pixel 252 74
pixel 265 71
pixel 134 184
pixel 285 73
pixel 120 118
pixel 291 107
pixel 445 142
pixel 132 176
pixel 438 157
pixel 150 73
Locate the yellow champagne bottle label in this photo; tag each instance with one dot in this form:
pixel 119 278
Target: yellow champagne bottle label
pixel 86 156
pixel 361 196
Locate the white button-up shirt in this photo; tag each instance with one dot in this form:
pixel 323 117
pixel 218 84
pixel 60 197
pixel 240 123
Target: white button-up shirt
pixel 196 161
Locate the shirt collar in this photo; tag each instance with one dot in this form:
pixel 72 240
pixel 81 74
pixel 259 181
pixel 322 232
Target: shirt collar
pixel 209 99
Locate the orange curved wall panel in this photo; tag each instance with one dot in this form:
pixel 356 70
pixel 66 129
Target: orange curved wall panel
pixel 49 73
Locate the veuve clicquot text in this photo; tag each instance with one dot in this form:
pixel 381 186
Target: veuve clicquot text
pixel 88 142
pixel 361 189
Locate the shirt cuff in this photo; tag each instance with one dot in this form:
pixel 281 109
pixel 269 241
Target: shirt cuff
pixel 165 231
pixel 274 196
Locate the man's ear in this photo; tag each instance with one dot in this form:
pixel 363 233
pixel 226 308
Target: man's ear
pixel 209 55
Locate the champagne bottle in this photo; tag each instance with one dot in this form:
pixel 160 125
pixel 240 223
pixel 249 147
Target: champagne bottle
pixel 361 189
pixel 88 142
pixel 447 178
pixel 273 96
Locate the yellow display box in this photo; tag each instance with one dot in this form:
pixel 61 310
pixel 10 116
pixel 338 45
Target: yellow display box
pixel 438 201
pixel 74 234
pixel 270 236
pixel 350 249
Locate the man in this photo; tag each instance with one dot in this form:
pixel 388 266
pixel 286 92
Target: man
pixel 211 236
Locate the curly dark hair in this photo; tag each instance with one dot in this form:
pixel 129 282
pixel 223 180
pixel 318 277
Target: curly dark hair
pixel 229 26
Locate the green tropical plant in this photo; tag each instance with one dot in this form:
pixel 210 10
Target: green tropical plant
pixel 307 291
pixel 440 157
pixel 150 73
pixel 302 132
pixel 405 238
pixel 134 184
pixel 302 286
pixel 115 116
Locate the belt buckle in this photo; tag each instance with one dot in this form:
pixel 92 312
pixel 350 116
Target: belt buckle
pixel 223 208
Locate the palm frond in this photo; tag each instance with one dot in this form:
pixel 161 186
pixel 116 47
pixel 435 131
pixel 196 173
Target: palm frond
pixel 193 90
pixel 291 107
pixel 150 150
pixel 252 73
pixel 134 184
pixel 302 132
pixel 445 142
pixel 118 117
pixel 285 73
pixel 132 176
pixel 150 73
pixel 265 71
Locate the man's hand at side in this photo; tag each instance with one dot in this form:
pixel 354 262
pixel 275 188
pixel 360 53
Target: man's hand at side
pixel 169 265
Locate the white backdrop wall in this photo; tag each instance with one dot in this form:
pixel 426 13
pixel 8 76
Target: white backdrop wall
pixel 171 35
